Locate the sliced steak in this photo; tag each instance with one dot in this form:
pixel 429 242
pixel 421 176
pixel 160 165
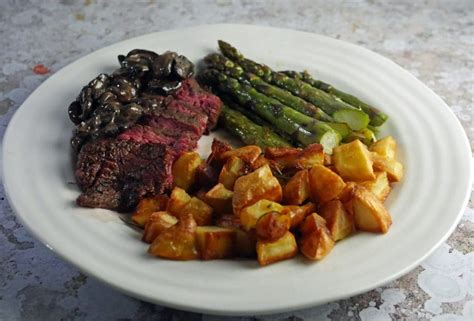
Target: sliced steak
pixel 191 93
pixel 167 134
pixel 183 116
pixel 116 174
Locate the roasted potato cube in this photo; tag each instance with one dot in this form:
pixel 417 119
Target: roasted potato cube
pixel 201 212
pixel 177 242
pixel 297 190
pixel 178 200
pixel 147 206
pixel 220 198
pixel 311 155
pixel 260 184
pixel 324 183
pixel 346 197
pixel 247 153
pixel 218 148
pixel 369 213
pixel 250 214
pixel 283 156
pixel 272 225
pixel 298 213
pixel 215 242
pixel 158 222
pixel 393 168
pixel 327 160
pixel 380 186
pixel 385 147
pixel 353 162
pixel 346 193
pixel 259 162
pixel 311 223
pixel 338 221
pixel 233 169
pixel 281 249
pixel 184 170
pixel 317 244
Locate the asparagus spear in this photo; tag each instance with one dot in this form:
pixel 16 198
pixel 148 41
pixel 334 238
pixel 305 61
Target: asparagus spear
pixel 377 118
pixel 249 132
pixel 230 68
pixel 365 135
pixel 304 129
pixel 254 117
pixel 339 110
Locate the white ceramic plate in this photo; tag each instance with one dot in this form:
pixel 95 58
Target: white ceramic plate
pixel 425 207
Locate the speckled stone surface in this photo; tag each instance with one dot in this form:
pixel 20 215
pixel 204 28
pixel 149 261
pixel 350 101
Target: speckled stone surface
pixel 434 40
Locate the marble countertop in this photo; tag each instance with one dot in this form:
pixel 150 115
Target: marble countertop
pixel 434 40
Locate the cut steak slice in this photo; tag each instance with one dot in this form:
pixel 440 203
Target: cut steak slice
pixel 191 93
pixel 116 174
pixel 183 116
pixel 167 134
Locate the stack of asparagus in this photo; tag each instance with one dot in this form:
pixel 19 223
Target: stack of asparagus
pixel 270 108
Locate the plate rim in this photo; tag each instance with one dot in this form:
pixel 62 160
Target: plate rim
pixel 238 312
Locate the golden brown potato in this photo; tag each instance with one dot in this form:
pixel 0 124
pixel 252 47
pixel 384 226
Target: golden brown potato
pixel 247 153
pixel 178 200
pixel 177 242
pixel 260 184
pixel 202 213
pixel 215 242
pixel 184 170
pixel 282 157
pixel 385 147
pixel 393 168
pixel 158 222
pixel 259 162
pixel 327 160
pixel 353 162
pixel 311 223
pixel 220 198
pixel 311 155
pixel 346 193
pixel 324 183
pixel 272 225
pixel 369 213
pixel 218 148
pixel 249 215
pixel 147 206
pixel 233 169
pixel 281 249
pixel 298 213
pixel 380 186
pixel 317 244
pixel 297 190
pixel 338 221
